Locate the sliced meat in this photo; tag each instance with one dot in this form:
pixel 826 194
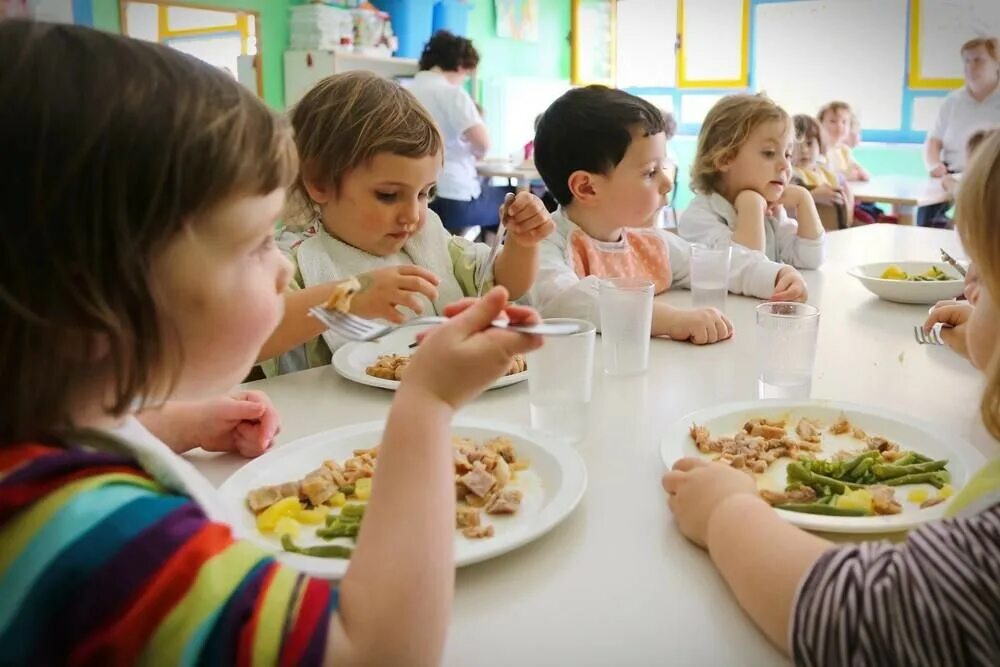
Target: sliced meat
pixel 502 446
pixel 501 472
pixel 808 431
pixel 505 502
pixel 478 480
pixel 477 532
pixel 841 426
pixel 262 498
pixel 804 494
pixel 931 502
pixel 884 499
pixel 701 438
pixel 466 517
pixel 767 431
pixel 462 463
pixel 859 434
pixel 318 486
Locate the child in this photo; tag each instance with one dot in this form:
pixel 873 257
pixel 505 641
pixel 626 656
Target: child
pixel 602 154
pixel 949 182
pixel 741 173
pixel 140 265
pixel 370 156
pixel 835 118
pixel 932 600
pixel 830 192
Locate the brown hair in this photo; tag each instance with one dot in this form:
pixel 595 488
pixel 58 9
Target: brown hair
pixel 976 212
pixel 347 119
pixel 807 128
pixel 726 128
pixel 449 52
pixel 111 147
pixel 977 138
pixel 991 44
pixel 833 107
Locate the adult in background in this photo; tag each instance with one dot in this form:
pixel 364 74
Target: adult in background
pixel 446 63
pixel 974 106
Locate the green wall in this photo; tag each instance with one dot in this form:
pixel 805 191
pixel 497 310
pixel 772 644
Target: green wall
pixel 273 35
pixel 547 58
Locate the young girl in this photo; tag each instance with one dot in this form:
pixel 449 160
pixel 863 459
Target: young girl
pixel 370 157
pixel 741 173
pixel 140 264
pixel 932 600
pixel 836 118
pixel 830 192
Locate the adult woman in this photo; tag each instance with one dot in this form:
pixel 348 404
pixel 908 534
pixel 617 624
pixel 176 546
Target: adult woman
pixel 974 106
pixel 445 64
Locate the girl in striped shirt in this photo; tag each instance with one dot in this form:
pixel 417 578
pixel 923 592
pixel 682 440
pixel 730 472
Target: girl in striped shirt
pixel 931 600
pixel 138 199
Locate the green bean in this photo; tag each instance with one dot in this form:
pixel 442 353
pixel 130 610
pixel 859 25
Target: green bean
pixel 935 479
pixel 799 473
pixel 319 551
pixel 920 458
pixel 851 467
pixel 339 530
pixel 889 471
pixel 909 458
pixel 820 508
pixel 353 510
pixel 347 489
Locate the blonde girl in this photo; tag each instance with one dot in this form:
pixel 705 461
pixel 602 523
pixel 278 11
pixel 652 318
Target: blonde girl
pixel 931 600
pixel 741 173
pixel 140 266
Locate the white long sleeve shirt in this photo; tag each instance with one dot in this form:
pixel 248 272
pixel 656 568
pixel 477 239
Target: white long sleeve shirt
pixel 572 263
pixel 711 219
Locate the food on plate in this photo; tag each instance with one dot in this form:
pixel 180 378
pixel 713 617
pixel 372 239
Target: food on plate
pixel 850 483
pixel 343 292
pixel 393 366
pixel 930 275
pixel 333 497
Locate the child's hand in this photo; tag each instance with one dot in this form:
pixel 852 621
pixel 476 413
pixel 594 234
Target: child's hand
pixel 824 194
pixel 955 315
pixel 789 285
pixel 750 200
pixel 701 326
pixel 938 170
pixel 458 360
pixel 794 196
pixel 383 290
pixel 245 423
pixel 527 220
pixel 696 487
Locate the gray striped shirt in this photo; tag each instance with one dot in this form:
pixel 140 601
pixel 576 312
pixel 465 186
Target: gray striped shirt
pixel 932 600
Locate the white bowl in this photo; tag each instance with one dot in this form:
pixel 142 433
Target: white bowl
pixel 909 291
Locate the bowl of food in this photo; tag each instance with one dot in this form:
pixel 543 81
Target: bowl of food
pixel 910 282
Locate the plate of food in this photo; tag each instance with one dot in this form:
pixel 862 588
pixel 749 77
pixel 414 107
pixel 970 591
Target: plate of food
pixel 832 466
pixel 305 500
pixel 910 282
pixel 382 363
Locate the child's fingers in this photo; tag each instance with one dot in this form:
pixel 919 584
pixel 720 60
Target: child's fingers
pixel 522 314
pixel 408 300
pixel 418 284
pixel 242 407
pixel 672 480
pixel 478 316
pixel 419 272
pixel 456 307
pixel 724 328
pixel 689 463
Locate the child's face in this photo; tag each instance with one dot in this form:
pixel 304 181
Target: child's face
pixel 805 152
pixel 763 163
pixel 632 193
pixel 984 329
pixel 837 124
pixel 380 205
pixel 222 282
pixel 979 68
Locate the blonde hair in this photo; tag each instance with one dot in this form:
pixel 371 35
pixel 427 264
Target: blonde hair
pixel 977 214
pixel 727 127
pixel 347 119
pixel 834 107
pixel 991 45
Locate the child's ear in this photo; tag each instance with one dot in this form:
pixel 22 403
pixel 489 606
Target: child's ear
pixel 320 194
pixel 582 186
pixel 723 162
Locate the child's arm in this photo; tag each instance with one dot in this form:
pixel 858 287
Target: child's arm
pixel 396 595
pixel 701 326
pixel 382 290
pixel 528 223
pixel 799 242
pixel 245 423
pixel 749 231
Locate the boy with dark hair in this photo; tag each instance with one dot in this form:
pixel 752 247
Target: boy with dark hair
pixel 602 155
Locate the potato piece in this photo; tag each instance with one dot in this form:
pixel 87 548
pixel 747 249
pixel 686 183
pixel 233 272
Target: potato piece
pixel 363 488
pixel 268 519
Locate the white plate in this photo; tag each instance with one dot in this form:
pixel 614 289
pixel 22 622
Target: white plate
pixel 351 360
pixel 963 459
pixel 909 291
pixel 553 485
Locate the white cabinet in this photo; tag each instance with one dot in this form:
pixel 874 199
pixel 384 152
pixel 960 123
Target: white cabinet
pixel 304 68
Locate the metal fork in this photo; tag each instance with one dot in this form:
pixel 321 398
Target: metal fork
pixel 951 260
pixel 497 242
pixel 932 337
pixel 357 328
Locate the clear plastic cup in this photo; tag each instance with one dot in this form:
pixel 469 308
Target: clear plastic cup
pixel 710 276
pixel 626 306
pixel 560 381
pixel 786 349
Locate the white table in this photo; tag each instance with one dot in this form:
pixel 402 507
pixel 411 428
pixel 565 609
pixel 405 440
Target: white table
pixel 519 174
pixel 904 193
pixel 616 584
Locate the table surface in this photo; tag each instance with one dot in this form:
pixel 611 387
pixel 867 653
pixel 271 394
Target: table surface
pixel 616 583
pixel 901 190
pixel 507 169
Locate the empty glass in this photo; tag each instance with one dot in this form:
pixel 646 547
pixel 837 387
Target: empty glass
pixel 786 349
pixel 626 306
pixel 560 379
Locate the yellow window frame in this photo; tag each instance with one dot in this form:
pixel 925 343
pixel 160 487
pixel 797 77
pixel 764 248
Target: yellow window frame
pixel 916 79
pixel 742 82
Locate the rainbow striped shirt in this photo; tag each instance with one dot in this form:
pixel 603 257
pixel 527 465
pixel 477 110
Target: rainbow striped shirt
pixel 100 564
